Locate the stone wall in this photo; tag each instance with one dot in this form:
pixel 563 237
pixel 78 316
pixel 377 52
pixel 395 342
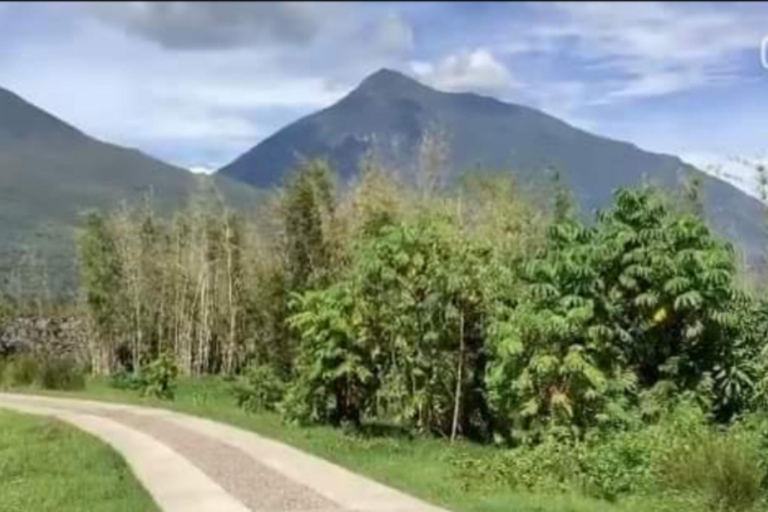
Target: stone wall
pixel 58 336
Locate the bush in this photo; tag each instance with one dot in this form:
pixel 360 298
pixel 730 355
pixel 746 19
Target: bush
pixel 160 376
pixel 123 379
pixel 60 373
pixel 551 466
pixel 682 460
pixel 260 389
pixel 617 467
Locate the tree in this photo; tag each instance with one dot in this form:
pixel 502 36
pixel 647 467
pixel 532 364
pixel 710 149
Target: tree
pixel 693 194
pixel 563 201
pixel 643 299
pixel 333 371
pixel 102 278
pixel 307 213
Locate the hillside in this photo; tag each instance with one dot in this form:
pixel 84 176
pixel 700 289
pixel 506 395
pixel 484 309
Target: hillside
pixel 50 173
pixel 390 112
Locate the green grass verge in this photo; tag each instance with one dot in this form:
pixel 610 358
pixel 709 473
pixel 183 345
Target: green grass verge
pixel 47 466
pixel 419 466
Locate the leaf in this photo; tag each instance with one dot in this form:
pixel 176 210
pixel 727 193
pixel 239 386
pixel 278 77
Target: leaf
pixel 628 282
pixel 530 408
pixel 646 300
pixel 694 330
pixel 560 400
pixel 688 300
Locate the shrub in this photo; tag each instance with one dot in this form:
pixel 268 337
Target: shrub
pixel 627 462
pixel 682 460
pixel 60 373
pixel 617 467
pixel 260 389
pixel 123 379
pixel 551 466
pixel 160 376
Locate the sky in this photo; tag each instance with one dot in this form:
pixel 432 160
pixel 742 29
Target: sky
pixel 197 84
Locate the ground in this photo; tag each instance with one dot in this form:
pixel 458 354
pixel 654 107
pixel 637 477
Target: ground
pixel 47 466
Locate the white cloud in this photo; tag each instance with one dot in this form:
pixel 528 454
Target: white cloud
pixel 656 84
pixel 194 82
pixel 214 92
pixel 175 104
pixel 476 70
pixel 655 48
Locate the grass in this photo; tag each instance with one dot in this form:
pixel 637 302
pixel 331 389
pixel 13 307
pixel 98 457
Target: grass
pixel 47 466
pixel 420 466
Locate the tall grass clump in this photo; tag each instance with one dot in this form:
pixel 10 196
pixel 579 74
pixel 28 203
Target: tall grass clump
pixel 44 371
pixel 726 468
pixel 60 373
pixel 23 370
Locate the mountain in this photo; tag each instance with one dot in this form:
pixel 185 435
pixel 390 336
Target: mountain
pixel 51 172
pixel 389 113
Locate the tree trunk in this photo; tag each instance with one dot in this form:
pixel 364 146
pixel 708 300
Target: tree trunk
pixel 230 354
pixel 459 380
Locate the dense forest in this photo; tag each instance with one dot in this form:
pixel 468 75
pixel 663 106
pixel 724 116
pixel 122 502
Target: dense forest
pixel 613 352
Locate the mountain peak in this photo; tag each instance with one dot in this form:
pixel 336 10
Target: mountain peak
pixel 387 80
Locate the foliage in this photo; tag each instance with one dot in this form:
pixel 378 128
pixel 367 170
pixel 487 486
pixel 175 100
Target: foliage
pixel 259 389
pixel 642 301
pixel 308 211
pixel 160 377
pixel 123 379
pixel 151 283
pixel 333 372
pixel 679 459
pixel 101 275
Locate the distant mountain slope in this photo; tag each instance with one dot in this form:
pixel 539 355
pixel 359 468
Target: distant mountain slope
pixel 50 173
pixel 391 112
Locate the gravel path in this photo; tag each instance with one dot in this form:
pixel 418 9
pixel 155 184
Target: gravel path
pixel 256 486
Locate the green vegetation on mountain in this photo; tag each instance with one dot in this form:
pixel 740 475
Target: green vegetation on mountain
pixel 51 174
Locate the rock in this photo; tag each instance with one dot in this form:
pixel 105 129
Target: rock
pixel 57 336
